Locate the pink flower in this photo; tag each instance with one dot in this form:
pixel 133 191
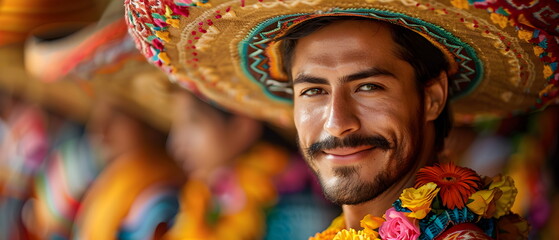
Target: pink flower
pixel 398 227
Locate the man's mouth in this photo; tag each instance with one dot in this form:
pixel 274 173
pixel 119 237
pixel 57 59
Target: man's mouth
pixel 347 155
pixel 347 151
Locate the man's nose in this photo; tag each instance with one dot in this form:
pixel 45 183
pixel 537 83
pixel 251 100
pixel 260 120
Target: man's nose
pixel 341 119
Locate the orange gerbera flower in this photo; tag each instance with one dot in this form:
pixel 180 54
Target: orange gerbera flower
pixel 456 183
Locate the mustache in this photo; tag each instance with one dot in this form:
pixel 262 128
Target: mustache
pixel 350 141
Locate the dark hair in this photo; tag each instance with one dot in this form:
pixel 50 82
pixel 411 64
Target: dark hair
pixel 427 60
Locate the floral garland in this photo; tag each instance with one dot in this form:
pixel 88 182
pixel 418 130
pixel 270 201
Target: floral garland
pixel 444 196
pixel 236 207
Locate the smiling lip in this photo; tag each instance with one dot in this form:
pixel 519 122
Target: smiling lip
pixel 347 155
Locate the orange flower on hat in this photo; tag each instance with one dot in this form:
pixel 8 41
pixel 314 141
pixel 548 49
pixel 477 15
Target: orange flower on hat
pixel 456 183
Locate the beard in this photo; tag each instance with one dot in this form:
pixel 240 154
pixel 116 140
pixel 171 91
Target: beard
pixel 350 188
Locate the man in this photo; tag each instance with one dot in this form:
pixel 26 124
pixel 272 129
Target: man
pixel 364 121
pixel 135 193
pixel 370 82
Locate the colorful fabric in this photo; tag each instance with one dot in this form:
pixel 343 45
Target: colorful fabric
pixel 228 51
pixel 109 63
pixel 251 200
pixel 423 212
pixel 132 198
pixel 152 214
pixel 537 22
pixel 62 182
pixel 23 148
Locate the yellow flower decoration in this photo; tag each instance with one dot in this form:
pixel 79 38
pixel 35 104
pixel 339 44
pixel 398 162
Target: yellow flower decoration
pixel 538 50
pixel 173 22
pixel 499 19
pixel 547 72
pixel 525 35
pixel 328 234
pixel 201 4
pixel 483 202
pixel 164 57
pixel 352 235
pixel 168 12
pixel 259 186
pixel 419 200
pixel 506 185
pixel 461 4
pixel 163 35
pixel 338 223
pixel 370 223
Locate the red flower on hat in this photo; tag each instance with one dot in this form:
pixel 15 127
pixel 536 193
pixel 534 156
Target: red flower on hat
pixel 456 183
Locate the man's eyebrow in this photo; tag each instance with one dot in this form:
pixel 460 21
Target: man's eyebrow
pixel 302 78
pixel 371 72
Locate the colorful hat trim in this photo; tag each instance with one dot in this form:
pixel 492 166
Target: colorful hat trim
pixel 254 61
pixel 177 36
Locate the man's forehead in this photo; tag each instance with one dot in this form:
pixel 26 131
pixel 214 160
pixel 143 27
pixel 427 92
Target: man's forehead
pixel 348 35
pixel 324 57
pixel 346 42
pixel 338 29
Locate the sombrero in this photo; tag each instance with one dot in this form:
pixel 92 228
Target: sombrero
pixel 18 18
pixel 69 99
pixel 503 53
pixel 18 21
pixel 110 64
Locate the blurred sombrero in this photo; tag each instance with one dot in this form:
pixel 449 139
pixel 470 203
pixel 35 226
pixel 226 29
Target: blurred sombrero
pixel 19 19
pixel 69 99
pixel 503 53
pixel 109 62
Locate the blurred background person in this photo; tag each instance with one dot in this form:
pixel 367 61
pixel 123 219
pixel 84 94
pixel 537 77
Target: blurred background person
pixel 136 195
pixel 23 147
pixel 124 185
pixel 246 181
pixel 25 138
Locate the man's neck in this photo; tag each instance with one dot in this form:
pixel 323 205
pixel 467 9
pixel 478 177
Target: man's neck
pixel 378 206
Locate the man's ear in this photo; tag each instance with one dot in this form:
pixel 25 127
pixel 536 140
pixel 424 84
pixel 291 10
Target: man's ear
pixel 436 93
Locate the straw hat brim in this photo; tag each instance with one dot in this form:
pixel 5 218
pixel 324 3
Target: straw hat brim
pixel 108 61
pixel 226 50
pixel 67 98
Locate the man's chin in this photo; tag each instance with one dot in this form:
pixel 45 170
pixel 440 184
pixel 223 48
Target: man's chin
pixel 347 192
pixel 351 190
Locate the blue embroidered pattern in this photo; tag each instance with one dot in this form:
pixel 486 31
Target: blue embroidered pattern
pixel 254 61
pixel 434 224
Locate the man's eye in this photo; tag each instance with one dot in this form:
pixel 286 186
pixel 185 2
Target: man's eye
pixel 369 87
pixel 313 92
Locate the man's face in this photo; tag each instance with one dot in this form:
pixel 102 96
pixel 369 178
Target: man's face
pixel 357 111
pixel 112 130
pixel 199 137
